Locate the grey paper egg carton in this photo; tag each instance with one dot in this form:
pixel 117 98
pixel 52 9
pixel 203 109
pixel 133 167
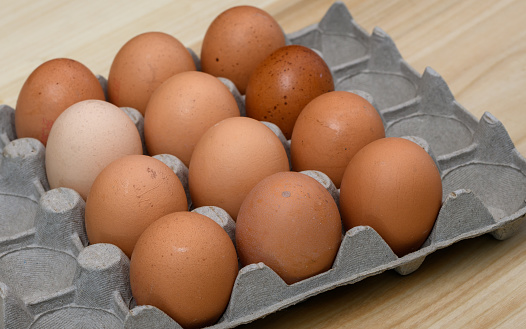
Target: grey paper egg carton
pixel 51 277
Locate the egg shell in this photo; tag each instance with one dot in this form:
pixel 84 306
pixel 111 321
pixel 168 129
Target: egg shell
pixel 291 223
pixel 284 83
pixel 85 138
pixel 128 195
pixel 184 264
pixel 230 159
pixel 392 185
pixel 237 41
pixel 49 90
pixel 182 109
pixel 142 64
pixel 330 130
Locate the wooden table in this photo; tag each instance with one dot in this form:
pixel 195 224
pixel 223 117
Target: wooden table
pixel 479 48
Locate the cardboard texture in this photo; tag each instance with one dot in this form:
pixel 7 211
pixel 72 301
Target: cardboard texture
pixel 51 278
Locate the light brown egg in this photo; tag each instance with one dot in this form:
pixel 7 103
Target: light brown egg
pixel 184 264
pixel 230 159
pixel 142 64
pixel 393 186
pixel 237 41
pixel 182 109
pixel 49 90
pixel 330 130
pixel 127 196
pixel 284 83
pixel 85 138
pixel 290 222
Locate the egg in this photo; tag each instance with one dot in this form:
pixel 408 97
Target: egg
pixel 230 159
pixel 128 195
pixel 291 223
pixel 392 185
pixel 84 139
pixel 330 130
pixel 284 83
pixel 142 64
pixel 237 41
pixel 49 90
pixel 184 264
pixel 182 109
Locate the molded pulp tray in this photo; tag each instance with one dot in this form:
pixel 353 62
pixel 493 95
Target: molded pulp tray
pixel 51 278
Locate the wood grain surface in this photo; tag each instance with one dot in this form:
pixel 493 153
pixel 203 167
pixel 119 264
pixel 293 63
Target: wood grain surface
pixel 477 46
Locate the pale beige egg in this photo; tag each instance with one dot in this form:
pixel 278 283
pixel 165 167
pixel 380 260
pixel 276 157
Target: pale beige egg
pixel 84 139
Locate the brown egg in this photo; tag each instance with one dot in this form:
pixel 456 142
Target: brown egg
pixel 290 222
pixel 330 130
pixel 393 186
pixel 230 159
pixel 142 64
pixel 182 109
pixel 49 90
pixel 184 264
pixel 237 41
pixel 127 196
pixel 85 138
pixel 286 81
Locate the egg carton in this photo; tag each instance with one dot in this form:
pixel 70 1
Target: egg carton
pixel 51 277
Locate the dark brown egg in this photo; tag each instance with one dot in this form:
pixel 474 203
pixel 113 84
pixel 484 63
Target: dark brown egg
pixel 286 81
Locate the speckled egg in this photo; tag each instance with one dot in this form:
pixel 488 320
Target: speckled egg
pixel 284 83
